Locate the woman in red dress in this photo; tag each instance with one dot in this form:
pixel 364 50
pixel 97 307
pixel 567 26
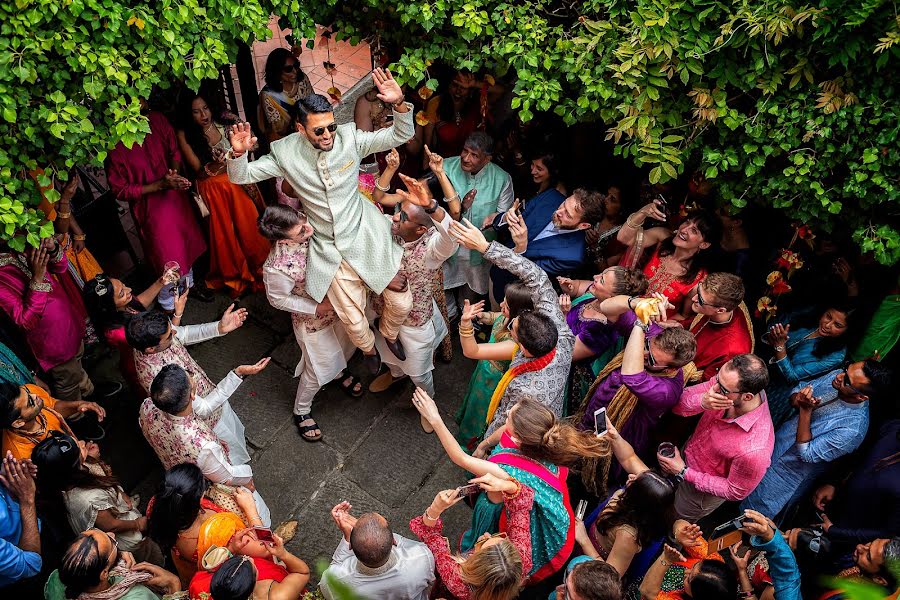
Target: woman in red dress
pixel 678 262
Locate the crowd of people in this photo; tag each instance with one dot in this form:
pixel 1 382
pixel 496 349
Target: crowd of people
pixel 630 430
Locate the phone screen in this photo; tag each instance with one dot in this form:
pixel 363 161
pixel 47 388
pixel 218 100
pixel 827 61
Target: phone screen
pixel 264 534
pixel 468 490
pixel 600 421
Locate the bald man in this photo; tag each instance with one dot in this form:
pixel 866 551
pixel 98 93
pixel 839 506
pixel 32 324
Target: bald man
pixel 421 228
pixel 374 562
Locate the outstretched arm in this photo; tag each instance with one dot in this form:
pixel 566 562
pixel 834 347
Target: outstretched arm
pixel 241 171
pixel 428 409
pixel 403 128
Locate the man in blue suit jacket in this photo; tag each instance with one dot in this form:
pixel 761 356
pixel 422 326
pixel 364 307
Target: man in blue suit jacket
pixel 556 229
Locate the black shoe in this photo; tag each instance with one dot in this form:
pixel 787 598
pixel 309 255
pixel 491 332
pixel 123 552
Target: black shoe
pixel 396 348
pixel 372 362
pixel 106 389
pixel 202 293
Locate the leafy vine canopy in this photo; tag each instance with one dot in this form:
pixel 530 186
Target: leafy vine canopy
pixel 786 105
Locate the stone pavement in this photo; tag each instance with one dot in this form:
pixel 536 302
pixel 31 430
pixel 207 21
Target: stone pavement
pixel 374 453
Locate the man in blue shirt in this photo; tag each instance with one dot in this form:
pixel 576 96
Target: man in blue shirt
pixel 832 422
pixel 20 541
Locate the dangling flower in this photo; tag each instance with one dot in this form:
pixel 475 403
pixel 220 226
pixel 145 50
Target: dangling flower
pixel 773 277
pixel 765 307
pixel 425 92
pixel 780 287
pixel 334 93
pixel 422 119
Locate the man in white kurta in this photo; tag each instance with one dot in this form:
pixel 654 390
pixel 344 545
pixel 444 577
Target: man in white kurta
pixel 157 343
pixel 323 341
pixel 351 251
pixel 180 433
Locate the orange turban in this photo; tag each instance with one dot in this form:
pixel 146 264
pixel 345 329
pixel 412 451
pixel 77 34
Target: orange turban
pixel 217 531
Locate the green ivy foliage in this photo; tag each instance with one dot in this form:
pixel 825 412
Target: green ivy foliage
pixel 793 106
pixel 72 73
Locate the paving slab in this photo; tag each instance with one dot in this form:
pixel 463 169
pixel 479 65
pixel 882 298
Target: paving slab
pixel 318 536
pixel 344 421
pixel 264 403
pixel 456 519
pixel 289 471
pixel 395 458
pixel 243 346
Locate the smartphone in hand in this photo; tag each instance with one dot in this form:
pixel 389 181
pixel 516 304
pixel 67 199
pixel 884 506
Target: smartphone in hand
pixel 600 421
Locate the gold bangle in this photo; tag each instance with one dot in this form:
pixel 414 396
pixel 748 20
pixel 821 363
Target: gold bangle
pixel 631 223
pixel 386 188
pixel 64 215
pixel 79 237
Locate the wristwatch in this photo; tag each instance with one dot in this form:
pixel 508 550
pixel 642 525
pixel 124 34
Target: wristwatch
pixel 433 208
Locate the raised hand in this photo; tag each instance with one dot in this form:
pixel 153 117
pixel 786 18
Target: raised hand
pixel 393 160
pixel 470 311
pixel 468 236
pixel 232 319
pixel 756 523
pixel 71 186
pixel 519 232
pixel 713 400
pixel 565 302
pixel 653 210
pixel 435 161
pixel 241 138
pixel 181 300
pixel 426 406
pixel 469 199
pixel 444 500
pixel 389 90
pixel 418 194
pixel 253 369
pixel 687 535
pixel 40 258
pixel 567 285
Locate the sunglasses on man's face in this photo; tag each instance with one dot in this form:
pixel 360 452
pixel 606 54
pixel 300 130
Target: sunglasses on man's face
pixel 725 391
pixel 847 381
pixel 289 67
pixel 650 359
pixel 320 130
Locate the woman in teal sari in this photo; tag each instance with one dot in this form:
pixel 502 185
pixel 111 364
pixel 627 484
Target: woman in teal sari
pixel 493 361
pixel 533 448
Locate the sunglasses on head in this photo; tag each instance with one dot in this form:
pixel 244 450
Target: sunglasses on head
pixel 320 130
pixel 290 67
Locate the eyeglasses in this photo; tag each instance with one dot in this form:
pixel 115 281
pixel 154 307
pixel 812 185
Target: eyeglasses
pixel 290 67
pixel 722 388
pixel 700 300
pixel 650 359
pixel 320 130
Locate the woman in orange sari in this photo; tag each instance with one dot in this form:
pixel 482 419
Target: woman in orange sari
pixel 237 250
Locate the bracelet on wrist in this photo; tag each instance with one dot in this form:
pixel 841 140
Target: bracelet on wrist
pixel 432 208
pixel 178 315
pixel 79 237
pixel 63 214
pixel 386 188
pixel 779 348
pixel 429 517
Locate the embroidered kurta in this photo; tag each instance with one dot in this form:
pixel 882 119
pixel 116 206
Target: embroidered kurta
pixel 348 227
pixel 52 326
pixel 547 385
pixel 323 340
pixel 495 194
pixel 211 402
pixel 424 328
pixel 719 343
pixel 165 219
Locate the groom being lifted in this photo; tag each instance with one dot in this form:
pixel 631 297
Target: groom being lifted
pixel 352 250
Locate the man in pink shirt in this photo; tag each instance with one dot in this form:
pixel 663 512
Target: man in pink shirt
pixel 729 452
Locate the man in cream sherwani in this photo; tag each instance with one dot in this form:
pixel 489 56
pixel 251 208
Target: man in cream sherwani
pixel 352 250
